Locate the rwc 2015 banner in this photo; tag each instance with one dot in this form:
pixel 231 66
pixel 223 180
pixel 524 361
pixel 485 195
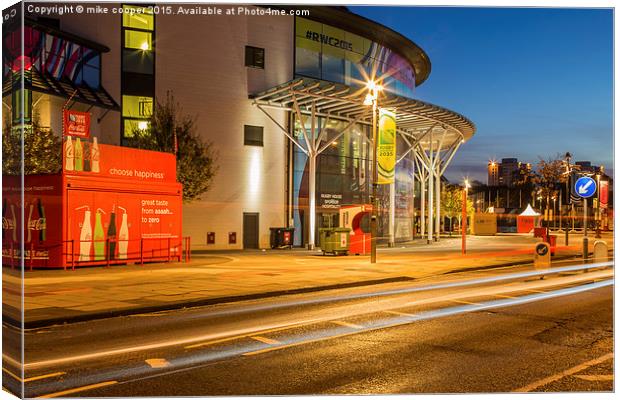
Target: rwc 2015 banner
pixel 386 148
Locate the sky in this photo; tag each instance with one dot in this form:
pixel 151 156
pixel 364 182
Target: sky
pixel 535 81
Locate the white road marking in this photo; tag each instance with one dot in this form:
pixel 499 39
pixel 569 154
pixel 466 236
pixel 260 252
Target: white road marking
pixel 347 324
pixel 253 329
pixel 157 362
pixel 265 340
pixel 571 371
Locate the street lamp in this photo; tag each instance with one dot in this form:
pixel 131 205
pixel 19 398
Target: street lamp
pixel 371 100
pixel 464 218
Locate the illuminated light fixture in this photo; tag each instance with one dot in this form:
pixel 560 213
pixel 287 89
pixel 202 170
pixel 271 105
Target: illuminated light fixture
pixel 144 46
pixel 334 143
pixel 142 125
pixel 368 100
pixel 467 185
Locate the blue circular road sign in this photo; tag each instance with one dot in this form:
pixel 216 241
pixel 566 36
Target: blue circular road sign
pixel 585 187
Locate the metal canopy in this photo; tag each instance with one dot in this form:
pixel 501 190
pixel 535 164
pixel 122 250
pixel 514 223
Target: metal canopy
pixel 414 118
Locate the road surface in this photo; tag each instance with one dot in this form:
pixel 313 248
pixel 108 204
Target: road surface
pixel 469 332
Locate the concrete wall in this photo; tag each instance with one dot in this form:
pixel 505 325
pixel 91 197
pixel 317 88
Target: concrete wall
pixel 202 60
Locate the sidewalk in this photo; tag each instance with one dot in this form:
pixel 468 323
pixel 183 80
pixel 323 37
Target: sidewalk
pixel 57 296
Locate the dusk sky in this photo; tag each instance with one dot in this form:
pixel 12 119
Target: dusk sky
pixel 535 81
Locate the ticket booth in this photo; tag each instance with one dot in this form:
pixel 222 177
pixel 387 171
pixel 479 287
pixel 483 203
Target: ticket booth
pixel 352 217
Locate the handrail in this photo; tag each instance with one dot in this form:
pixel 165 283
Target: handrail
pixel 176 249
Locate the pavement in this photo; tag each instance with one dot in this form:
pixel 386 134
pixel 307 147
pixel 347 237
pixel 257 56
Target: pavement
pixel 57 296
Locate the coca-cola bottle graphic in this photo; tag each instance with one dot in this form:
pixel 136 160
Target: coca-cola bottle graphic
pixel 112 235
pixel 99 237
pixel 79 155
pixel 123 236
pixel 86 235
pixel 30 224
pixel 14 222
pixel 94 156
pixel 42 224
pixel 69 155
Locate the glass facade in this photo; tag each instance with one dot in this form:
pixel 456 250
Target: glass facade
pixel 344 174
pixel 49 54
pixel 138 69
pixel 344 177
pixel 331 54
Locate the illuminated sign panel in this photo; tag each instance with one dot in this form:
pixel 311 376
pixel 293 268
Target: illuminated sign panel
pixel 329 53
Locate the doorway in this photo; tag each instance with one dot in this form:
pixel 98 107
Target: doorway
pixel 250 230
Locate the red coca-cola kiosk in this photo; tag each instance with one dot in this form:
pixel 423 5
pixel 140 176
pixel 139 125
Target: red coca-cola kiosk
pixel 109 205
pixel 351 217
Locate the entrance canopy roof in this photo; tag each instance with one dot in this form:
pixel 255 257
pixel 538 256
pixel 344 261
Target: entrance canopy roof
pixel 414 118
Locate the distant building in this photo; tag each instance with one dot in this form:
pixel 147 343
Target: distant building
pixel 493 171
pixel 586 166
pixel 506 173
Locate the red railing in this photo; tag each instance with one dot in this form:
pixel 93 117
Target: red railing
pixel 175 249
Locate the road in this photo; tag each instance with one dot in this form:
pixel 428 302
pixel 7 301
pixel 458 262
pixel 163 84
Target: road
pixel 485 331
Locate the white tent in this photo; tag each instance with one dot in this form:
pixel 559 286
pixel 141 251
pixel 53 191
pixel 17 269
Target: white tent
pixel 529 212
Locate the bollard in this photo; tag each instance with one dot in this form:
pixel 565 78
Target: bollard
pixel 585 248
pixel 542 256
pixel 600 252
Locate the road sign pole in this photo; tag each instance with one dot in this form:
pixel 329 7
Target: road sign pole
pixel 585 217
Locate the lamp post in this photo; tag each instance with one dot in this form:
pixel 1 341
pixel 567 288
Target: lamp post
pixel 569 201
pixel 464 219
pixel 371 99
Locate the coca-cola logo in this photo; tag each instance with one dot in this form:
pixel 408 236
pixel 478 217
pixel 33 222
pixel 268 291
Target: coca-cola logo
pixel 36 224
pixel 7 223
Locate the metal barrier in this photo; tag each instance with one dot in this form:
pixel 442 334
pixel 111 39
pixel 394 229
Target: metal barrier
pixel 176 249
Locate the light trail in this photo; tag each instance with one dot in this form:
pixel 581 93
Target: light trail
pixel 194 361
pixel 256 330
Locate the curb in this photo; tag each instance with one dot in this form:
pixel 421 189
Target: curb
pixel 238 298
pixel 196 303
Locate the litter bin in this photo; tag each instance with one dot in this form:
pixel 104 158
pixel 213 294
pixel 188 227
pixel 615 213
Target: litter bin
pixel 281 237
pixel 334 240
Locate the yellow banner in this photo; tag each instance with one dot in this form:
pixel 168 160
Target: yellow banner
pixel 386 147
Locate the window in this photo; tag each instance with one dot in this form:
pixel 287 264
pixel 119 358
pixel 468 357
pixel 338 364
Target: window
pixel 138 61
pixel 141 18
pixel 252 135
pixel 138 40
pixel 138 68
pixel 254 57
pixel 137 106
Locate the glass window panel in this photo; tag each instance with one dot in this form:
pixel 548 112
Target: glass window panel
pixel 90 76
pixel 304 28
pixel 138 40
pixel 137 106
pixel 333 69
pixel 252 135
pixel 138 61
pixel 93 60
pixel 141 18
pixel 133 125
pixel 307 63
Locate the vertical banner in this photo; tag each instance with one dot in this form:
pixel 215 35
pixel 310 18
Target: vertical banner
pixel 604 193
pixel 386 147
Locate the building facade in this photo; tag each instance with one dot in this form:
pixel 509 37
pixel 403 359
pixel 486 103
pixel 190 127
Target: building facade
pixel 214 65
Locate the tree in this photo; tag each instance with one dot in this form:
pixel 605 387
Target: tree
pixel 549 176
pixel 452 203
pixel 171 131
pixel 42 149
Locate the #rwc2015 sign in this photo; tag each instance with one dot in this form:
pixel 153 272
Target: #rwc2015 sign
pixel 386 147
